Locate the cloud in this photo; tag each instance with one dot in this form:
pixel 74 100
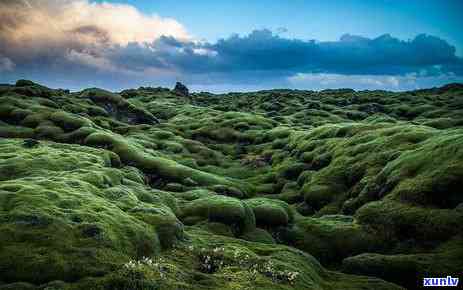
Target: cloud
pixel 350 55
pixel 6 64
pixel 48 30
pixel 263 50
pixel 326 81
pixel 89 40
pixel 411 81
pixel 281 30
pixel 92 61
pixel 61 19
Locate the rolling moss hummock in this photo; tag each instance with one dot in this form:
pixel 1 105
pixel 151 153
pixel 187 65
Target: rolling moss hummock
pixel 280 189
pixel 67 214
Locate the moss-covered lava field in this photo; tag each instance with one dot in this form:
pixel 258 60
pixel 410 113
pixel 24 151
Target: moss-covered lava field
pixel 153 188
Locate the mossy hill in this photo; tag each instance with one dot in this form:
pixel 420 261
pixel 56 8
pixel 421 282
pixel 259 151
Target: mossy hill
pixel 281 189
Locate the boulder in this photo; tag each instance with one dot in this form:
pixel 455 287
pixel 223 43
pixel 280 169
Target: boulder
pixel 181 90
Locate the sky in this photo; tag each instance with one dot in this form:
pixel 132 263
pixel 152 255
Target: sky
pixel 223 46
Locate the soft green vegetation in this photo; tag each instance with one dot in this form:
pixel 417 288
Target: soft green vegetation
pixel 281 189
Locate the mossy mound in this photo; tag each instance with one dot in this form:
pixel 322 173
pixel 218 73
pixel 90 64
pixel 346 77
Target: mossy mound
pixel 169 169
pixel 258 235
pixel 399 221
pixel 330 238
pixel 66 214
pixel 223 209
pixel 270 212
pixel 417 178
pixel 409 270
pixel 118 107
pixel 216 262
pixel 41 121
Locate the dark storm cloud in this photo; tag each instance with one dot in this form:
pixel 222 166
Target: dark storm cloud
pixel 266 52
pixel 262 50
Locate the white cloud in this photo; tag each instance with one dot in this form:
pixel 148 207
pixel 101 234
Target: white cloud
pixel 35 28
pixel 326 80
pixel 410 81
pixel 393 81
pixel 205 52
pixel 6 64
pixel 123 23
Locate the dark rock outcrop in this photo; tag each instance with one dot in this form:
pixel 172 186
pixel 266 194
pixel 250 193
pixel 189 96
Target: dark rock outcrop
pixel 181 90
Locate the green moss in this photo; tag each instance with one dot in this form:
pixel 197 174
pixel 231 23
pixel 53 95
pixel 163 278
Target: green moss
pixel 409 270
pixel 336 174
pixel 317 196
pixel 417 178
pixel 228 191
pixel 401 221
pixel 330 238
pixel 217 228
pixel 162 166
pixel 53 202
pixel 292 171
pixel 115 105
pixel 270 212
pixel 68 122
pixel 8 131
pixel 24 83
pixel 258 236
pixel 224 209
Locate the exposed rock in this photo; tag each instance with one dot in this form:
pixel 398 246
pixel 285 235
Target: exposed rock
pixel 181 90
